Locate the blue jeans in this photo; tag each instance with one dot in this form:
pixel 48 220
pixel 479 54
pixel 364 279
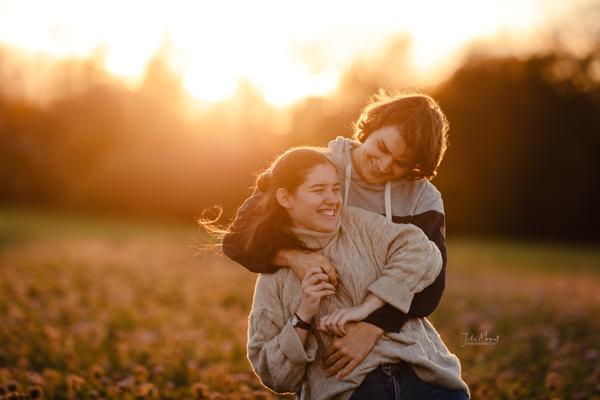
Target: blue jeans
pixel 399 382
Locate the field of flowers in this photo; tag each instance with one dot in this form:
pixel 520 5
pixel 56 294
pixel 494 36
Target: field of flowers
pixel 95 308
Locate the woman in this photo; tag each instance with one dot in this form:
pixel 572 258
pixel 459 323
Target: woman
pixel 399 142
pixel 377 261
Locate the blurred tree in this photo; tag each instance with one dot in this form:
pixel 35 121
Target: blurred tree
pixel 523 141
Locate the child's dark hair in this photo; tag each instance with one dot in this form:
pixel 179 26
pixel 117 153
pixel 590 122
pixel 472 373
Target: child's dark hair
pixel 419 119
pixel 267 226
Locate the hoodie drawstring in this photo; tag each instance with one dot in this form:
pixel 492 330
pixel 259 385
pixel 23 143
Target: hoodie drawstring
pixel 387 192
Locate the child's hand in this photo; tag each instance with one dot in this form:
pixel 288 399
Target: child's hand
pixel 334 323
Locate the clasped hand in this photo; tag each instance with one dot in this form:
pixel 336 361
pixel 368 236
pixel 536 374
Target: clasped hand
pixel 334 323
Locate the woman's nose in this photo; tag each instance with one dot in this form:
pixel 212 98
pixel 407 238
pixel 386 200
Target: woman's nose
pixel 331 197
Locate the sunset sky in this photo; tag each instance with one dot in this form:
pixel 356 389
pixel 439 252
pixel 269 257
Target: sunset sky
pixel 287 50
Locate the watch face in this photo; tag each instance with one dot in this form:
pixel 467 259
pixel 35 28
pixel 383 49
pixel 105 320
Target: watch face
pixel 298 323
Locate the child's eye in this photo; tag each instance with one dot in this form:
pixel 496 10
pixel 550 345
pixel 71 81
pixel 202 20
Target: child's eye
pixel 337 189
pixel 403 164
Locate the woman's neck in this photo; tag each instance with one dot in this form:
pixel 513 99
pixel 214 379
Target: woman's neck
pixel 315 240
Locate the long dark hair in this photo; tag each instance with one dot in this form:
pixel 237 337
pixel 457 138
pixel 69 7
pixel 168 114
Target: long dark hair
pixel 267 222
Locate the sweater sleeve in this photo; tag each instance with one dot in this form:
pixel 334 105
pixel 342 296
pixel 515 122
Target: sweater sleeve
pixel 432 222
pixel 274 347
pixel 233 242
pixel 426 301
pixel 412 263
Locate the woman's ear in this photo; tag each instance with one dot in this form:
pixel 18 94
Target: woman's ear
pixel 283 198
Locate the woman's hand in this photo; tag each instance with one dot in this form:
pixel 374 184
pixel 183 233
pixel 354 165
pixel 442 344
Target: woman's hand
pixel 301 262
pixel 314 287
pixel 334 323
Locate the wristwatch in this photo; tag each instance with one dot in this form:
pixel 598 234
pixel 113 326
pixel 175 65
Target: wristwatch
pixel 297 322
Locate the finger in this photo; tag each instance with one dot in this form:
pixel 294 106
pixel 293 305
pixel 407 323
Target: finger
pixel 342 324
pixel 333 322
pixel 311 272
pixel 347 369
pixel 321 326
pixel 337 366
pixel 328 362
pixel 331 349
pixel 328 268
pixel 339 323
pixel 323 285
pixel 326 320
pixel 316 278
pixel 339 329
pixel 327 324
pixel 320 293
pixel 323 293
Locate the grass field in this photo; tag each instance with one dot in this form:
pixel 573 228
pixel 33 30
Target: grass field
pixel 96 308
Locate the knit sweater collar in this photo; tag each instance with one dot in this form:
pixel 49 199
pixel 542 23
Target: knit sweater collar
pixel 315 240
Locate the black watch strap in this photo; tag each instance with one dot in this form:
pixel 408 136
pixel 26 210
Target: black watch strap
pixel 298 322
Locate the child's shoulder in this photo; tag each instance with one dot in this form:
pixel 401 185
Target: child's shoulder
pixel 339 150
pixel 421 194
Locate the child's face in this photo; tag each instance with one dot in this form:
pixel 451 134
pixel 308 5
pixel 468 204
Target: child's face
pixel 383 156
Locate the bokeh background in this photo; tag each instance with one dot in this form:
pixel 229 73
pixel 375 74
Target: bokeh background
pixel 121 122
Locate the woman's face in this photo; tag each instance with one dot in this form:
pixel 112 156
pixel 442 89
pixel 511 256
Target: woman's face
pixel 383 156
pixel 316 203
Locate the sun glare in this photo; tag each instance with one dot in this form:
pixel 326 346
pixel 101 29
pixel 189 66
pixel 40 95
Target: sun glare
pixel 286 52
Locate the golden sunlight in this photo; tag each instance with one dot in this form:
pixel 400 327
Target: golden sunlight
pixel 286 51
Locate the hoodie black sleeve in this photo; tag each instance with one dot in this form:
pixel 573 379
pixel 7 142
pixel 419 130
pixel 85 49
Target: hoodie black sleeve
pixel 233 242
pixel 391 319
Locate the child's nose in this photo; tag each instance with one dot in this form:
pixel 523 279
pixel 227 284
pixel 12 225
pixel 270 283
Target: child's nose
pixel 386 164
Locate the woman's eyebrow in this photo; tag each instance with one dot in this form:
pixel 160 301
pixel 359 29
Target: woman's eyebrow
pixel 322 185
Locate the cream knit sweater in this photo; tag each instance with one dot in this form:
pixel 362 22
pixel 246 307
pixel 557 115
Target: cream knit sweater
pixel 392 261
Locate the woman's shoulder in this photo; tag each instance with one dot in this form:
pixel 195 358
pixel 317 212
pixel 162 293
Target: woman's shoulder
pixel 272 285
pixel 359 216
pixel 366 222
pixel 373 225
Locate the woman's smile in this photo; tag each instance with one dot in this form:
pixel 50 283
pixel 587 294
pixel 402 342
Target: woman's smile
pixel 329 213
pixel 316 203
